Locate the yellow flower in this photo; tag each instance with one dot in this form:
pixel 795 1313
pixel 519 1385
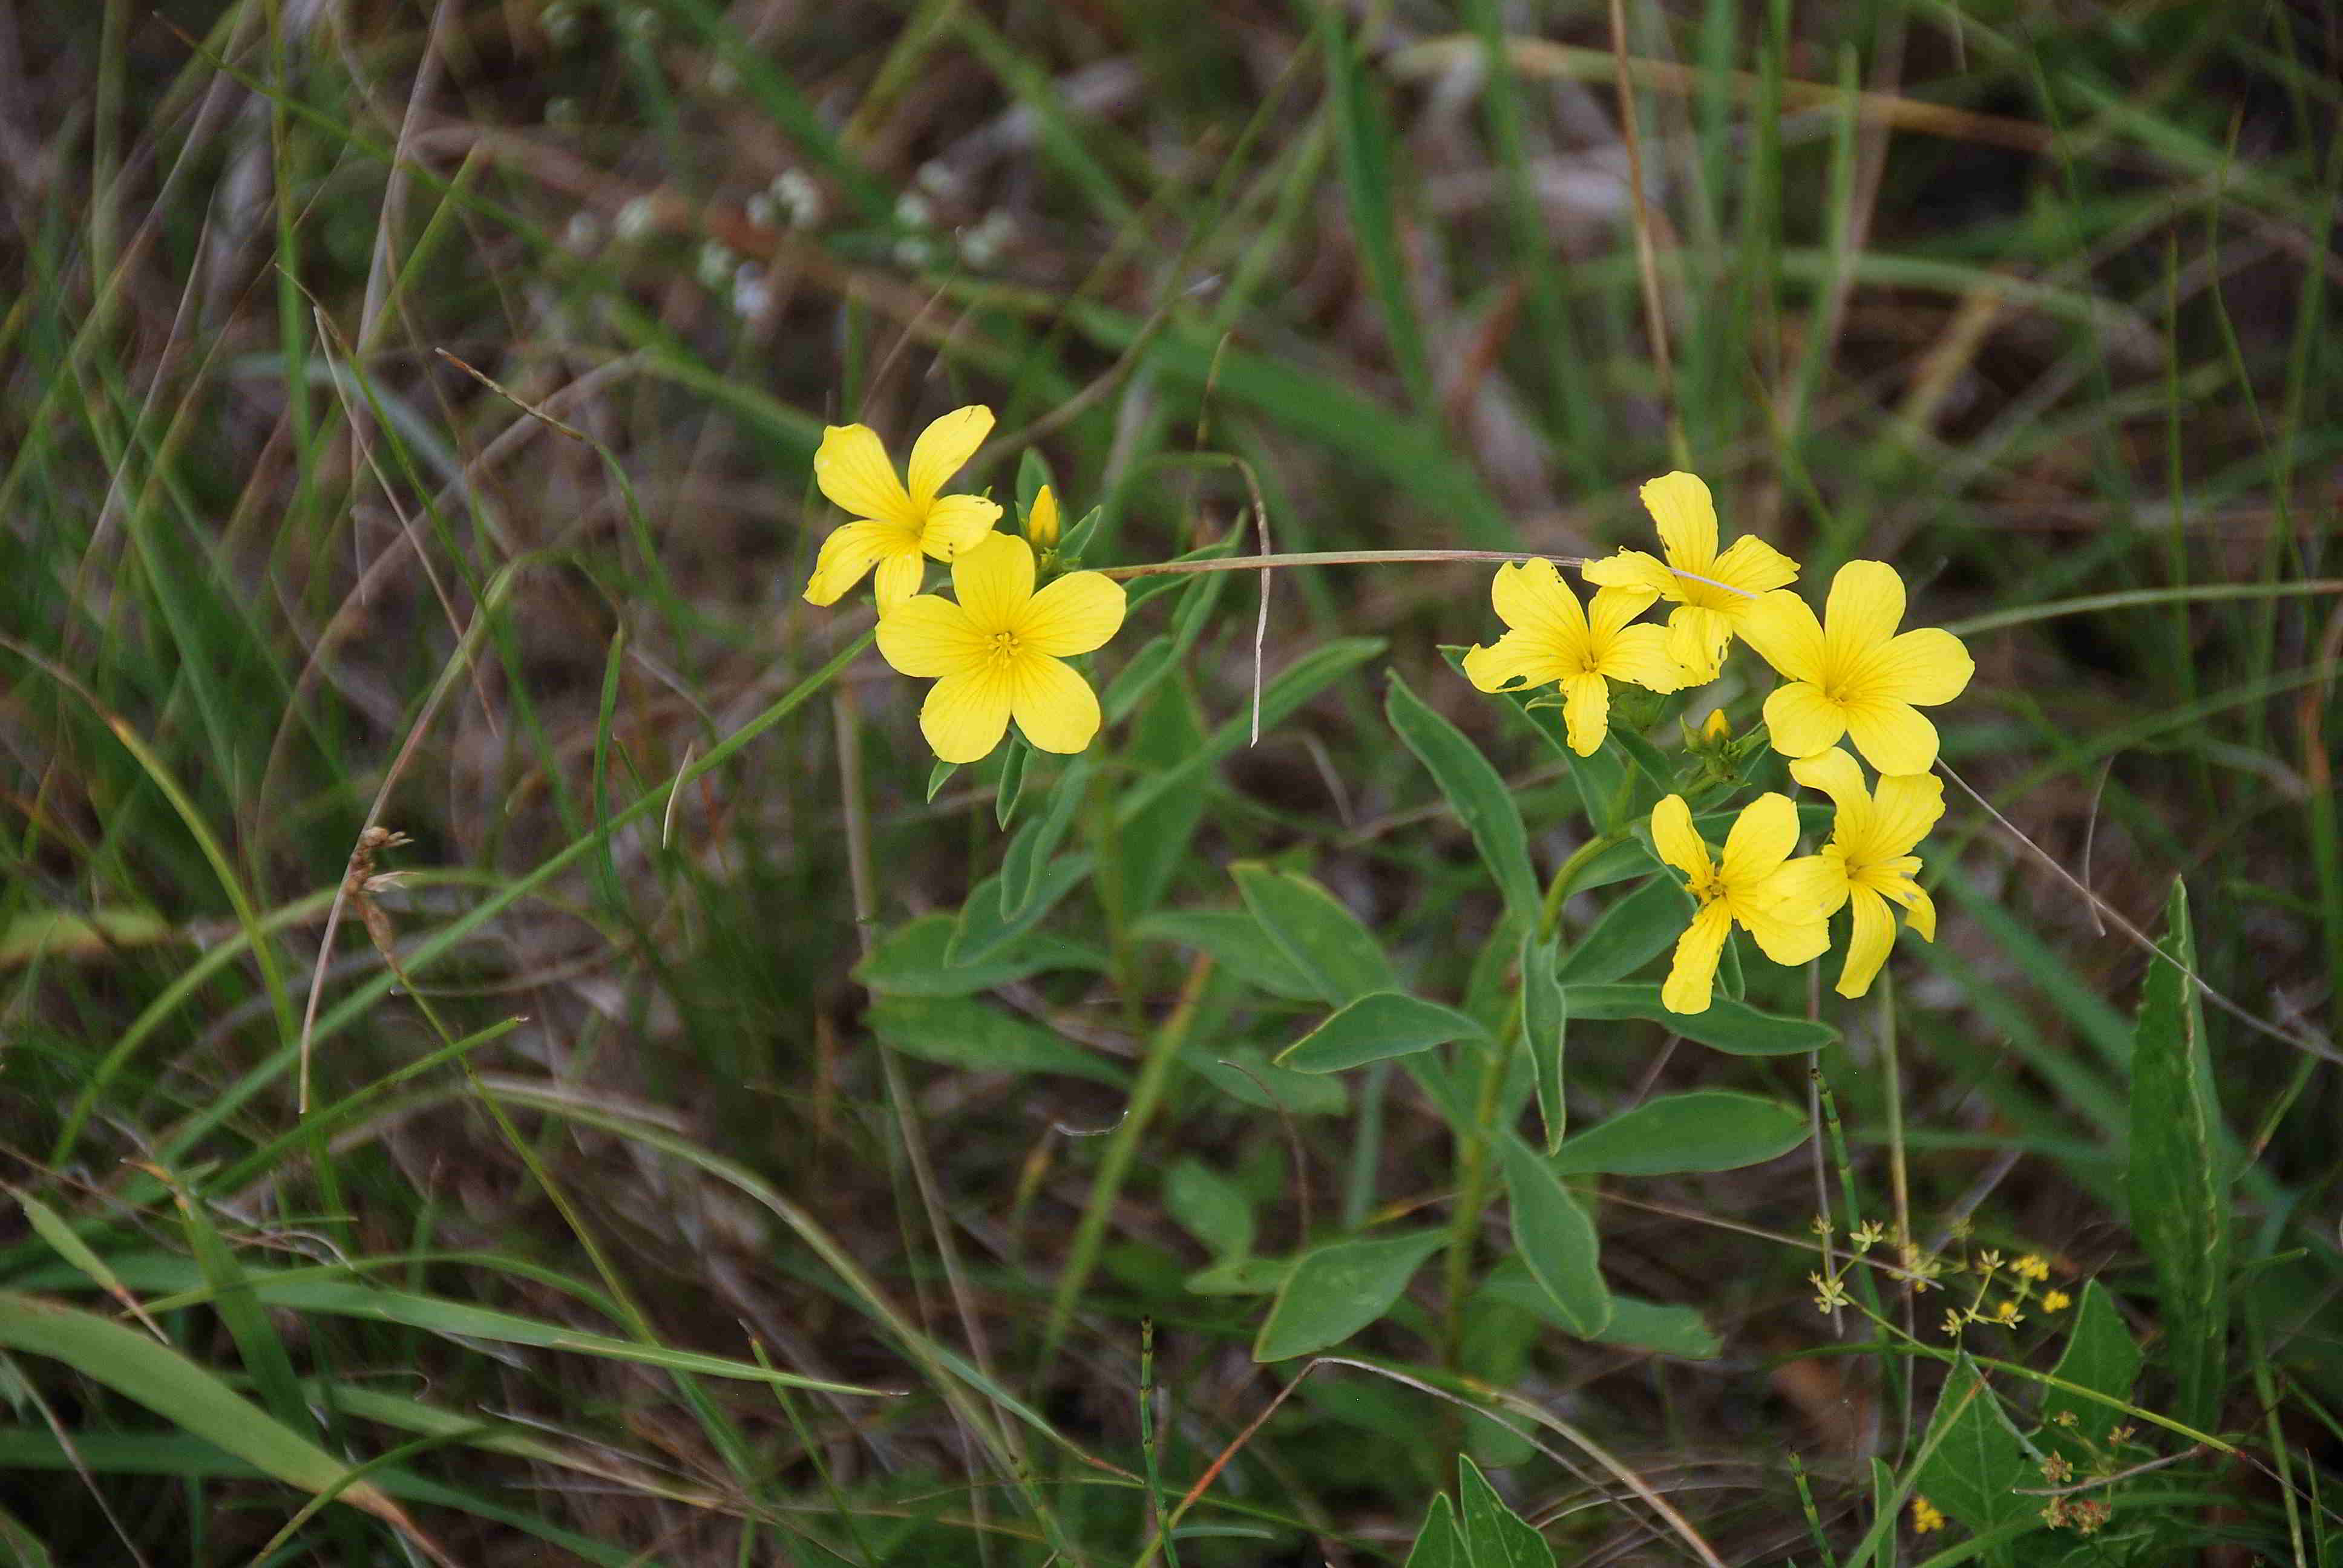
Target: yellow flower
pixel 1042 522
pixel 2057 1301
pixel 1552 639
pixel 2031 1266
pixel 1871 849
pixel 1926 1516
pixel 896 527
pixel 1783 903
pixel 1701 626
pixel 999 651
pixel 1855 677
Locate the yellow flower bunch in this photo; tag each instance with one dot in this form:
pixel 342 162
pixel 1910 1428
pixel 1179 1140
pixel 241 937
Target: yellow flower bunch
pixel 1849 674
pixel 996 650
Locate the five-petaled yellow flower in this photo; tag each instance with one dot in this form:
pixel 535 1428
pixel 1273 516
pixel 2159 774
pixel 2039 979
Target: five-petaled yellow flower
pixel 1783 903
pixel 1711 600
pixel 1850 674
pixel 895 527
pixel 1554 639
pixel 999 652
pixel 1871 849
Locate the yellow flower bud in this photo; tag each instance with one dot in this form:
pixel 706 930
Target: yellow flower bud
pixel 1716 729
pixel 1042 522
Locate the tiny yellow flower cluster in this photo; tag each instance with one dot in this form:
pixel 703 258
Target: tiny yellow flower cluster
pixel 1850 674
pixel 1926 1517
pixel 996 650
pixel 2020 1278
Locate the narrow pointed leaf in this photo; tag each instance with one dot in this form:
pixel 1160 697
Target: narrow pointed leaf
pixel 1706 1130
pixel 1474 791
pixel 1555 1239
pixel 1377 1026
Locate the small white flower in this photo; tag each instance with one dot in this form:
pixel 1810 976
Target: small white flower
pixel 913 253
pixel 795 190
pixel 715 265
pixel 763 210
pixel 752 291
pixel 583 232
pixel 937 178
pixel 912 211
pixel 636 220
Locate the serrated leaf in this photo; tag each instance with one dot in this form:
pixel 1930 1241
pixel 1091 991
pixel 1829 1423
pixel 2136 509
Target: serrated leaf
pixel 962 1032
pixel 1339 956
pixel 1729 1026
pixel 1975 1458
pixel 2101 1356
pixel 1555 1239
pixel 1630 934
pixel 1706 1130
pixel 1378 1026
pixel 1337 1290
pixel 1546 1023
pixel 2178 1180
pixel 1210 1207
pixel 1237 942
pixel 1474 791
pixel 1494 1535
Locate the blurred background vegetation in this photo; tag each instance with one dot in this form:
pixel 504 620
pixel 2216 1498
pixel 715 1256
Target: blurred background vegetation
pixel 2031 299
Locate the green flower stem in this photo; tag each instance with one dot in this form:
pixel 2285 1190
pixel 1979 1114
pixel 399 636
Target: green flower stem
pixel 1566 875
pixel 1332 558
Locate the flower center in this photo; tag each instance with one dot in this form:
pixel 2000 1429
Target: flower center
pixel 1707 888
pixel 1001 647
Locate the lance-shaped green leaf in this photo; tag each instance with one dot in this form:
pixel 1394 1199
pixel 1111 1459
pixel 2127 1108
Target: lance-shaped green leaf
pixel 2179 1180
pixel 1629 935
pixel 1706 1130
pixel 1311 927
pixel 1555 1239
pixel 1546 1023
pixel 1377 1026
pixel 1337 1290
pixel 1474 792
pixel 1732 1027
pixel 1237 943
pixel 1494 1535
pixel 963 1032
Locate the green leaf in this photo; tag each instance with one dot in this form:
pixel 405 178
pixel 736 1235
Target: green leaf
pixel 985 928
pixel 1729 1025
pixel 1555 1239
pixel 1244 1073
pixel 1474 792
pixel 1494 1535
pixel 1236 942
pixel 912 961
pixel 938 777
pixel 1378 1025
pixel 189 1395
pixel 1311 927
pixel 1339 1289
pixel 1630 934
pixel 1645 1325
pixel 1545 1021
pixel 1032 474
pixel 1038 840
pixel 1363 151
pixel 1015 757
pixel 961 1032
pixel 1296 684
pixel 1975 1458
pixel 1239 1276
pixel 1438 1544
pixel 2101 1356
pixel 1153 843
pixel 20 1548
pixel 2178 1180
pixel 1706 1130
pixel 1210 1207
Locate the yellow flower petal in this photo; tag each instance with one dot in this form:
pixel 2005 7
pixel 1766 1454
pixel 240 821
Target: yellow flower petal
pixel 1585 713
pixel 848 552
pixel 1694 971
pixel 1835 774
pixel 1802 721
pixel 1697 638
pixel 944 446
pixel 1920 915
pixel 1633 568
pixel 896 580
pixel 1907 809
pixel 1785 633
pixel 1610 610
pixel 1042 521
pixel 1531 597
pixel 993 580
pixel 1640 654
pixel 1868 945
pixel 851 469
pixel 1677 841
pixel 1680 505
pixel 1753 565
pixel 928 636
pixel 1515 661
pixel 958 523
pixel 1866 604
pixel 1073 614
pixel 966 714
pixel 1815 883
pixel 1761 838
pixel 1894 737
pixel 1925 666
pixel 1786 932
pixel 1055 706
